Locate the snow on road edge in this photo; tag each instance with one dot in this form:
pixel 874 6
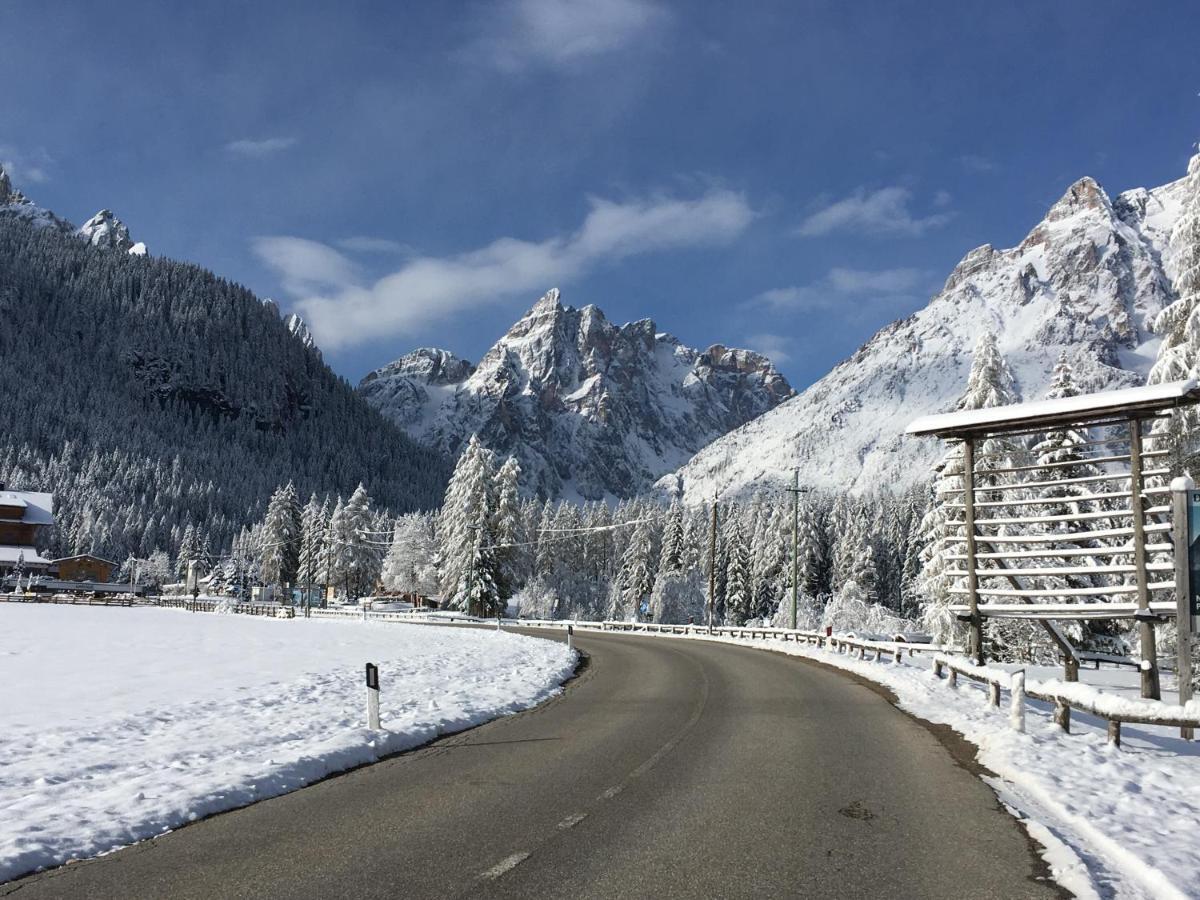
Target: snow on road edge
pixel 1102 816
pixel 93 764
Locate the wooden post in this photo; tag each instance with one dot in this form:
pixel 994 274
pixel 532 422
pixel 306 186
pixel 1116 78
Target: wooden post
pixel 1150 683
pixel 975 648
pixel 1016 709
pixel 1062 715
pixel 994 694
pixel 1114 732
pixel 1181 489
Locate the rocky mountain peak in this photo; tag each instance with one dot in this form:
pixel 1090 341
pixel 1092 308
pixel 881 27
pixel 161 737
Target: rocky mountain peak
pixel 1087 280
pixel 298 329
pixel 106 231
pixel 590 409
pixel 8 194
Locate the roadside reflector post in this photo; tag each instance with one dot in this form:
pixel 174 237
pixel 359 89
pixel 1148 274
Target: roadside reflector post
pixel 373 697
pixel 570 635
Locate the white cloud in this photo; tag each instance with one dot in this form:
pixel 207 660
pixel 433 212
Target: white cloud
pixel 885 211
pixel 305 266
pixel 343 309
pixel 260 149
pixel 519 34
pixel 25 167
pixel 846 289
pixel 776 347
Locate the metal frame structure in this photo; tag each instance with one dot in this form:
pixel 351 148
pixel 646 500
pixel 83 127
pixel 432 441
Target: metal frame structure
pixel 1127 539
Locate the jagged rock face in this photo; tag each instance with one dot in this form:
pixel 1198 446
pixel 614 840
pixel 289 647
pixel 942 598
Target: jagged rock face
pixel 106 231
pixel 589 408
pixel 298 329
pixel 1086 280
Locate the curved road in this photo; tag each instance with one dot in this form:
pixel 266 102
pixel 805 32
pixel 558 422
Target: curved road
pixel 668 768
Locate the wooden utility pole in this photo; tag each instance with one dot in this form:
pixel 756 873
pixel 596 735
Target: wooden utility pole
pixel 975 648
pixel 712 563
pixel 1145 619
pixel 795 490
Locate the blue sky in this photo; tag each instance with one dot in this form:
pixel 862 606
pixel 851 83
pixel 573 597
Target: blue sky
pixel 785 176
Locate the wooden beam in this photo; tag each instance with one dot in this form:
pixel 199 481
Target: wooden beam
pixel 1150 682
pixel 976 626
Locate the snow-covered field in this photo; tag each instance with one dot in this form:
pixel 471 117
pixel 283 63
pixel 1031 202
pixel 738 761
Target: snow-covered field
pixel 120 724
pixel 1115 822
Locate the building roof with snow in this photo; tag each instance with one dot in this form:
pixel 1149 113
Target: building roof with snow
pixel 1121 404
pixel 27 507
pixel 11 553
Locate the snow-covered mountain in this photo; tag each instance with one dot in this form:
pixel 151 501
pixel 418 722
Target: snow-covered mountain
pixel 590 409
pixel 103 230
pixel 1086 280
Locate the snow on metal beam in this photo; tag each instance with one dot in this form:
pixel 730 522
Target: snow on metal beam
pixel 1126 402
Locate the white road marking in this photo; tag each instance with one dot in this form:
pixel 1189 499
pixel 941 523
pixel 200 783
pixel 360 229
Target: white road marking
pixel 509 862
pixel 611 792
pixel 572 820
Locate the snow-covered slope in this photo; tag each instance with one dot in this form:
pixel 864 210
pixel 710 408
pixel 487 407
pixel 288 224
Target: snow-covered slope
pixel 1086 280
pixel 589 408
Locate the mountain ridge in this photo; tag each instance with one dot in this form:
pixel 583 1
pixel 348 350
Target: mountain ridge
pixel 1086 280
pixel 591 409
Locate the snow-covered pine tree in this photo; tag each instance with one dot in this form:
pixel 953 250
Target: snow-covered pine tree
pixel 281 537
pixel 409 566
pixel 508 529
pixel 854 554
pixel 989 384
pixel 465 529
pixel 739 591
pixel 635 581
pixel 312 533
pixel 670 558
pixel 189 551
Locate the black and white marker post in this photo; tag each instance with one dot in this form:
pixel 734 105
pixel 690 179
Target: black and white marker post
pixel 373 697
pixel 570 636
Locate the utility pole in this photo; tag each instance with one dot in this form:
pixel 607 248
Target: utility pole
pixel 795 490
pixel 712 563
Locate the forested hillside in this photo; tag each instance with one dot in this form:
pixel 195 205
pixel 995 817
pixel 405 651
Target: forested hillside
pixel 149 394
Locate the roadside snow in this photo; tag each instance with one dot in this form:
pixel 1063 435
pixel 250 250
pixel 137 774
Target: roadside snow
pixel 120 724
pixel 1115 822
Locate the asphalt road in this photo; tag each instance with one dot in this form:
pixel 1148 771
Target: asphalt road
pixel 668 768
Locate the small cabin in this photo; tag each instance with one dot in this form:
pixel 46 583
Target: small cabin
pixel 84 567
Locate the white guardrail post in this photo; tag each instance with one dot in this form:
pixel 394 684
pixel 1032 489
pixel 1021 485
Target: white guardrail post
pixel 373 697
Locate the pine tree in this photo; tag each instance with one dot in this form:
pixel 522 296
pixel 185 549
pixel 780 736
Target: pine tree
pixel 739 591
pixel 636 578
pixel 465 536
pixel 671 557
pixel 989 384
pixel 312 533
pixel 281 537
pixel 508 529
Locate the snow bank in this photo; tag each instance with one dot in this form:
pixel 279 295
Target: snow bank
pixel 121 724
pixel 1115 822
